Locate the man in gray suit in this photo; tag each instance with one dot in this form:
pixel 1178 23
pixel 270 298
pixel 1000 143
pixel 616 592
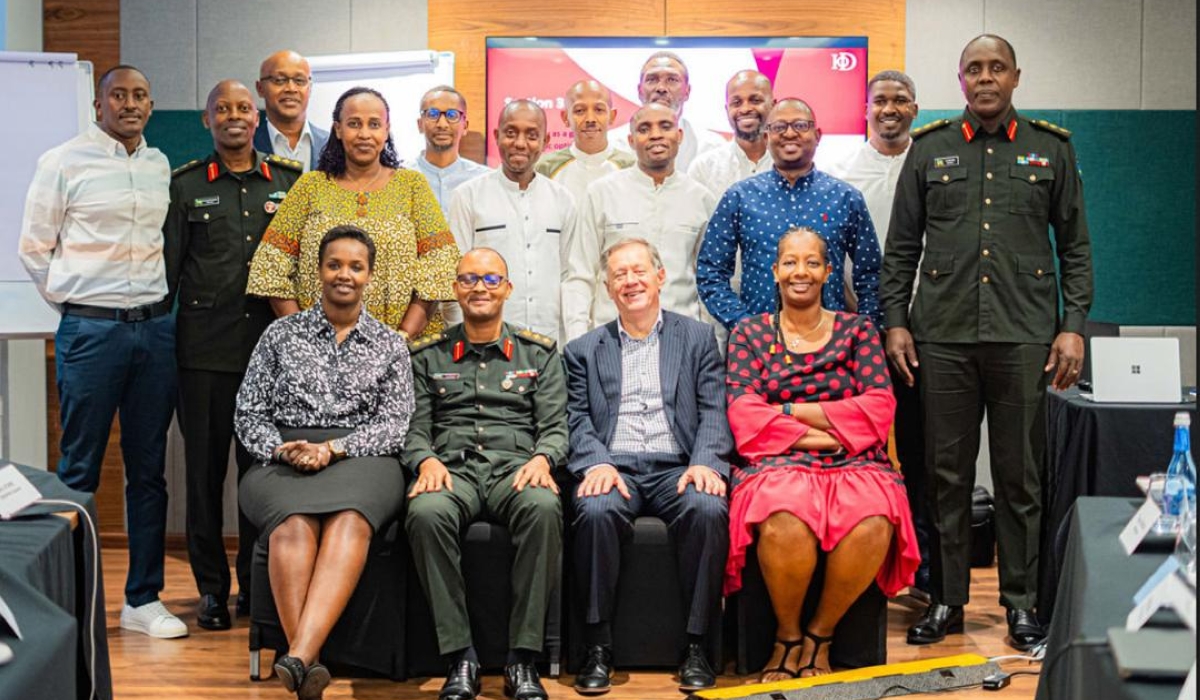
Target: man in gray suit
pixel 646 409
pixel 285 84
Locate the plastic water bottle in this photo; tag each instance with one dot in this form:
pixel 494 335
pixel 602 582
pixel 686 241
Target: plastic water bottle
pixel 1179 491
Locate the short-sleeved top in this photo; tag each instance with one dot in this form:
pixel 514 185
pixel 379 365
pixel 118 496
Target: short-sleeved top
pixel 414 250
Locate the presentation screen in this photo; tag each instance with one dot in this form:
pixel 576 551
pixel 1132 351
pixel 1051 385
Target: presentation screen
pixel 830 73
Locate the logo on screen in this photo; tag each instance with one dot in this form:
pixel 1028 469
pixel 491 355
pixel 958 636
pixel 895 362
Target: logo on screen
pixel 1135 369
pixel 844 61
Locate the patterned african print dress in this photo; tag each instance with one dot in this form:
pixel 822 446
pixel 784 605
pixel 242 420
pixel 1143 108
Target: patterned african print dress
pixel 831 492
pixel 414 247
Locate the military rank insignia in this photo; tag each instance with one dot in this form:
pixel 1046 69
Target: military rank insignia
pixel 1034 160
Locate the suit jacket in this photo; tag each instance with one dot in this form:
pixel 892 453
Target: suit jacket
pixel 262 140
pixel 693 381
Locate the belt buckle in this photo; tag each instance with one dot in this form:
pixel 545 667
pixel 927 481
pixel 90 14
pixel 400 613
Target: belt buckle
pixel 140 313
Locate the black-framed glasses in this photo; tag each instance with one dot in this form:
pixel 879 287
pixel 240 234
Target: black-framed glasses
pixel 433 114
pixel 282 80
pixel 800 126
pixel 468 280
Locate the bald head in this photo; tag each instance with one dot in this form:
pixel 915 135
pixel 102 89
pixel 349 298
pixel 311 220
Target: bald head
pixel 283 60
pixel 227 88
pixel 285 82
pixel 588 112
pixel 748 100
pixel 520 137
pixel 793 103
pixel 521 108
pixel 488 258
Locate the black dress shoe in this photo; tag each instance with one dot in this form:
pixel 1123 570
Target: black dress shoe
pixel 595 676
pixel 243 604
pixel 694 672
pixel 462 681
pixel 521 682
pixel 938 621
pixel 1024 630
pixel 212 614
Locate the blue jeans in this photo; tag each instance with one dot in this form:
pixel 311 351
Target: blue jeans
pixel 103 367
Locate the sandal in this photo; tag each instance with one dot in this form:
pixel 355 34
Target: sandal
pixel 782 667
pixel 812 660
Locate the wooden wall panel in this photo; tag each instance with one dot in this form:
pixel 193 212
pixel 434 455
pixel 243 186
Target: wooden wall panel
pixel 90 28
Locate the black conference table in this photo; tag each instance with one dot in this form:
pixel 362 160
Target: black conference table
pixel 46 570
pixel 1096 592
pixel 1095 449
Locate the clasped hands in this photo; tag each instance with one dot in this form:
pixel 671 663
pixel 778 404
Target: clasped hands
pixel 305 456
pixel 603 478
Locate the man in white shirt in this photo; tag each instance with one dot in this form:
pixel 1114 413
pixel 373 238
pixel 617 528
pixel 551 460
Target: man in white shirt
pixel 874 170
pixel 748 100
pixel 285 83
pixel 443 121
pixel 588 113
pixel 92 242
pixel 524 216
pixel 664 80
pixel 652 201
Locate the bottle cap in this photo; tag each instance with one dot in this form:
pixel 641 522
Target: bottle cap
pixel 1183 418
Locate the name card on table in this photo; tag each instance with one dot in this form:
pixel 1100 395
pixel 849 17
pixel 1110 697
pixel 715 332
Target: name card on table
pixel 1189 686
pixel 16 492
pixel 1171 592
pixel 1140 525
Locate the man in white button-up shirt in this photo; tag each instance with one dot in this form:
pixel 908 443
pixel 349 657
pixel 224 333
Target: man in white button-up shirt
pixel 664 80
pixel 588 113
pixel 91 240
pixel 652 201
pixel 524 216
pixel 748 100
pixel 285 84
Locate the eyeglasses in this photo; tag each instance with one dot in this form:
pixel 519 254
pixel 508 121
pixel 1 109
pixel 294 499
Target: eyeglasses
pixel 800 126
pixel 468 280
pixel 282 80
pixel 433 114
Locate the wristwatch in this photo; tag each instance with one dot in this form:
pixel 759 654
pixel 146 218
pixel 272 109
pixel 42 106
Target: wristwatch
pixel 337 447
pixel 787 409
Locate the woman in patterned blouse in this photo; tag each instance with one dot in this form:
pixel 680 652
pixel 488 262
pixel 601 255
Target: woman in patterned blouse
pixel 810 405
pixel 325 405
pixel 359 181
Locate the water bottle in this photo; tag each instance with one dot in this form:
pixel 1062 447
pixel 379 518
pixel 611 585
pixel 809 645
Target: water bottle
pixel 1179 491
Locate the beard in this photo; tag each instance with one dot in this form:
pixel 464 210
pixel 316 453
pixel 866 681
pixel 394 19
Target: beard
pixel 750 136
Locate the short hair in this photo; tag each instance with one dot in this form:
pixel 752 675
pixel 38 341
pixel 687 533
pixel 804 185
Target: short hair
pixel 795 100
pixel 894 76
pixel 484 249
pixel 518 104
pixel 462 100
pixel 353 233
pixel 665 54
pixel 795 231
pixel 1012 53
pixel 332 161
pixel 123 66
pixel 625 243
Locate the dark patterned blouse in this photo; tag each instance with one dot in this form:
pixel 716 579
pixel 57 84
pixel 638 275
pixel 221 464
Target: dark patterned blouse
pixel 300 377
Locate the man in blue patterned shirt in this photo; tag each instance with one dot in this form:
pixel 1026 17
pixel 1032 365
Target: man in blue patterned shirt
pixel 755 213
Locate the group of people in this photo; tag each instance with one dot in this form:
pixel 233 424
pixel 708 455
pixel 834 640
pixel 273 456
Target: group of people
pixel 384 340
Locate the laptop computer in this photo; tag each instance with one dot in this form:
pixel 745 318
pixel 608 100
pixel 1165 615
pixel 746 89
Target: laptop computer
pixel 1135 370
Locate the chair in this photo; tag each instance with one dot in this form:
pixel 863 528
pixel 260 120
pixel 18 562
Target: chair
pixel 650 622
pixel 487 554
pixel 859 640
pixel 366 640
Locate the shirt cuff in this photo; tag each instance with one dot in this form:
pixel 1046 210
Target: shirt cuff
pixel 1073 323
pixel 895 318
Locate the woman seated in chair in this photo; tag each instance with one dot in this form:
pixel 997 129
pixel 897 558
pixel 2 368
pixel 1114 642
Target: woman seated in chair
pixel 810 405
pixel 325 405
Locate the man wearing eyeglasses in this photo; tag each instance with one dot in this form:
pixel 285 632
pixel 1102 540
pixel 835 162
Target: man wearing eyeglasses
pixel 285 83
pixel 443 121
pixel 490 427
pixel 754 213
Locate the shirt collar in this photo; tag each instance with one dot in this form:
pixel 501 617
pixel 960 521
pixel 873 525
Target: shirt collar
pixel 425 165
pixel 111 145
pixel 654 330
pixel 972 126
pixel 801 183
pixel 460 347
pixel 744 159
pixel 591 159
pixel 510 186
pixel 646 181
pixel 363 331
pixel 276 134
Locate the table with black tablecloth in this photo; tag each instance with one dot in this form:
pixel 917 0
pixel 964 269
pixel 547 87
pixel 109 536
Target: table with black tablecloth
pixel 1096 449
pixel 46 577
pixel 1096 592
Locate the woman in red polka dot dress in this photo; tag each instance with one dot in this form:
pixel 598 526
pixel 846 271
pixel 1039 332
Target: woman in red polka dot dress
pixel 810 405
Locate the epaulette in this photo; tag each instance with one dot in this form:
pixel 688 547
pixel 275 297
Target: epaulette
pixel 537 338
pixel 1055 129
pixel 286 163
pixel 931 126
pixel 191 165
pixel 419 345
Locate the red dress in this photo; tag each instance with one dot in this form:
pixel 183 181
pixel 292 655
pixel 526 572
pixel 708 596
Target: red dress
pixel 831 492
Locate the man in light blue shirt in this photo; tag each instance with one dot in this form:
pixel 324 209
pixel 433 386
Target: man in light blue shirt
pixel 443 121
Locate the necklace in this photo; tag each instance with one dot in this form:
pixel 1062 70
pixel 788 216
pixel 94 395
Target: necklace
pixel 794 343
pixel 363 195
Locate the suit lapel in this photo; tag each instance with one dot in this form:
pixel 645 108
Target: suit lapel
pixel 669 359
pixel 608 369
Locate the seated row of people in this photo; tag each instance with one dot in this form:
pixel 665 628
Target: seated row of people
pixel 639 411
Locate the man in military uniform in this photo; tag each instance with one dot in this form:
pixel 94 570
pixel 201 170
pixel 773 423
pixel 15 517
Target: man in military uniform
pixel 220 207
pixel 976 197
pixel 489 428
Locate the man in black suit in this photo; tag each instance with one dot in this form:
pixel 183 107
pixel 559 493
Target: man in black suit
pixel 285 83
pixel 646 409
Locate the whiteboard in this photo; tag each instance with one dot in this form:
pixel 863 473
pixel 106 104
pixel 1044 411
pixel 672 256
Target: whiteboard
pixel 61 88
pixel 400 76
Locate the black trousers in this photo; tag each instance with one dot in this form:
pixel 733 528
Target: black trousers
pixel 206 405
pixel 909 428
pixel 698 523
pixel 960 382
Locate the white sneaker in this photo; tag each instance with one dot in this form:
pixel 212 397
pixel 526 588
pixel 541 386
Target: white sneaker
pixel 153 619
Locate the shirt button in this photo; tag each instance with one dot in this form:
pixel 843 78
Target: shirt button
pixel 987 226
pixel 1033 178
pixel 479 448
pixel 243 190
pixel 986 252
pixel 482 365
pixel 945 178
pixel 1039 273
pixel 206 217
pixel 249 238
pixel 988 201
pixel 245 213
pixel 481 387
pixel 985 279
pixel 990 151
pixel 247 315
pixel 478 406
pixel 989 176
pixel 479 429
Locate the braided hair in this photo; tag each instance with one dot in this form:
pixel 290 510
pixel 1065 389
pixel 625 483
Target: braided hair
pixel 333 156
